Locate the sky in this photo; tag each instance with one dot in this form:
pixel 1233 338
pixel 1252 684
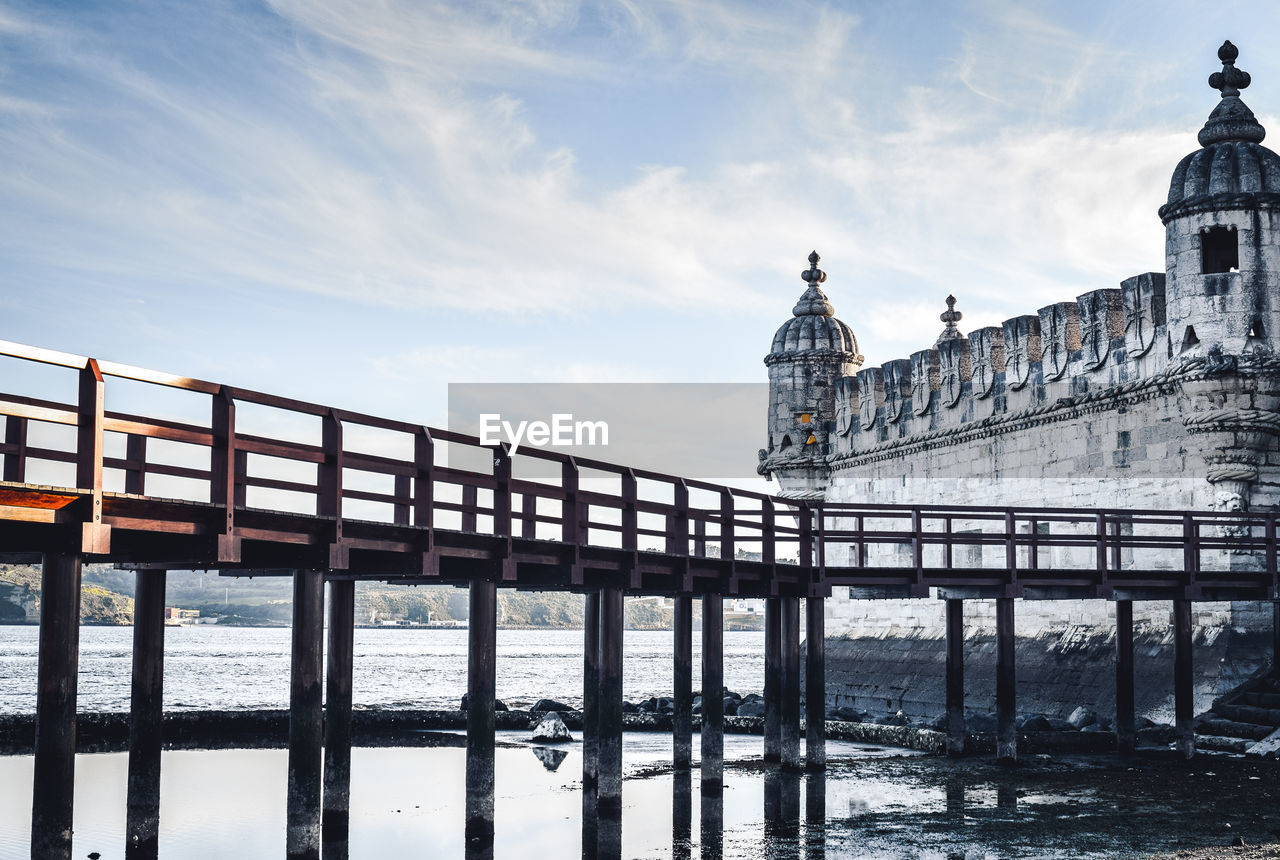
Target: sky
pixel 357 203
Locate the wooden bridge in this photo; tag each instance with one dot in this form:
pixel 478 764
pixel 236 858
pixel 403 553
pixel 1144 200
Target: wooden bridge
pixel 258 484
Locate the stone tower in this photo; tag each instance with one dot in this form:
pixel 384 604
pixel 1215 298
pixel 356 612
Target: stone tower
pixel 1222 294
pixel 1222 232
pixel 812 354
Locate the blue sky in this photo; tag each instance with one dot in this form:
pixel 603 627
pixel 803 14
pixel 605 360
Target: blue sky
pixel 358 203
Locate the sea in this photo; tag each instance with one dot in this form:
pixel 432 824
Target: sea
pixel 211 667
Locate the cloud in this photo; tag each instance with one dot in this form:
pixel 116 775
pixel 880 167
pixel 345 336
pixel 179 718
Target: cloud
pixel 409 155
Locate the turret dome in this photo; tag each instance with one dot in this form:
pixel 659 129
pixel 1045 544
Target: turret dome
pixel 1233 168
pixel 813 330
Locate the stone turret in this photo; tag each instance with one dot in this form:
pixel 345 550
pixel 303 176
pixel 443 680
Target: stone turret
pixel 812 353
pixel 1222 232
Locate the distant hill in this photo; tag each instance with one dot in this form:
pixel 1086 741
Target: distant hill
pixel 107 598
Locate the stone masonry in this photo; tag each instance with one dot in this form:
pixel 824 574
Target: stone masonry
pixel 1161 392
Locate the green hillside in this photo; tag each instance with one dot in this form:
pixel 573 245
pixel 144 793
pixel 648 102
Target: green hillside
pixel 107 598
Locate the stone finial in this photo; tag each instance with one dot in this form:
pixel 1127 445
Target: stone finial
pixel 950 316
pixel 813 302
pixel 1231 119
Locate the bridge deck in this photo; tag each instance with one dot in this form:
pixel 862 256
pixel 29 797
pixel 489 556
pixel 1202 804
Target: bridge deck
pixel 150 490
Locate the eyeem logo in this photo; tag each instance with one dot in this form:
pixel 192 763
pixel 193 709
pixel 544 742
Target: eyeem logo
pixel 562 431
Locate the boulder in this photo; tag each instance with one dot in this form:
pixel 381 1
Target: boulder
pixel 1036 723
pixel 629 708
pixel 544 705
pixel 846 714
pixel 730 706
pixel 498 704
pixel 552 730
pixel 980 722
pixel 753 697
pixel 1093 728
pixel 939 723
pixel 1082 717
pixel 747 708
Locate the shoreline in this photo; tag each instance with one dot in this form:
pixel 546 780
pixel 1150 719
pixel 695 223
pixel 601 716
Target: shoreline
pixel 252 729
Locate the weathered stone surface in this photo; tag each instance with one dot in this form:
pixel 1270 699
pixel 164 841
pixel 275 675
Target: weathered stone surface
pixel 1083 716
pixel 552 730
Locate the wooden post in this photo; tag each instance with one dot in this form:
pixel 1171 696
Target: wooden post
pixel 55 753
pixel 482 680
pixel 790 727
pixel 1126 737
pixel 1183 680
pixel 146 715
pixel 955 677
pixel 591 691
pixel 306 716
pixel 609 785
pixel 815 687
pixel 1275 636
pixel 682 719
pixel 1006 683
pixel 337 709
pixel 772 679
pixel 712 695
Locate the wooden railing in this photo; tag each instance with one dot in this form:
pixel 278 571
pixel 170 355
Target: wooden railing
pixel 439 479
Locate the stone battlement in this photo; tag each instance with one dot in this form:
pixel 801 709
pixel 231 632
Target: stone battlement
pixel 1068 357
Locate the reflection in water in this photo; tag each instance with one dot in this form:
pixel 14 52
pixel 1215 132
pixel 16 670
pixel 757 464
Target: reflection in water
pixel 955 796
pixel 1007 796
pixel 682 815
pixel 781 812
pixel 609 838
pixel 712 831
pixel 590 823
pixel 551 759
pixel 815 816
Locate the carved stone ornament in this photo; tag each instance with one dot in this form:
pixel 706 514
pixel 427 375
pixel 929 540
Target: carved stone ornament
pixel 954 370
pixel 870 396
pixel 986 353
pixel 924 379
pixel 1144 309
pixel 1021 350
pixel 897 381
pixel 1101 320
pixel 846 404
pixel 1059 337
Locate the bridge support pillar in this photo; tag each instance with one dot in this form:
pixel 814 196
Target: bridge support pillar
pixel 55 758
pixel 815 686
pixel 772 679
pixel 482 680
pixel 337 710
pixel 146 715
pixel 682 673
pixel 1275 636
pixel 1126 736
pixel 1183 680
pixel 1006 683
pixel 955 677
pixel 712 694
pixel 306 716
pixel 590 695
pixel 790 724
pixel 609 785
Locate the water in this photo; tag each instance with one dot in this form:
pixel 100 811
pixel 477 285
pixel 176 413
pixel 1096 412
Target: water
pixel 207 667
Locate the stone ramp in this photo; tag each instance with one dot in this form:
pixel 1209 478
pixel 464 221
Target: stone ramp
pixel 1245 720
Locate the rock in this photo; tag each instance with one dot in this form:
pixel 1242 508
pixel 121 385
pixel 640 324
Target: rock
pixel 552 730
pixel 551 759
pixel 730 706
pixel 629 708
pixel 847 714
pixel 938 723
pixel 753 697
pixel 544 705
pixel 1058 724
pixel 981 722
pixel 1036 723
pixel 498 704
pixel 730 694
pixel 749 708
pixel 1093 728
pixel 1082 717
